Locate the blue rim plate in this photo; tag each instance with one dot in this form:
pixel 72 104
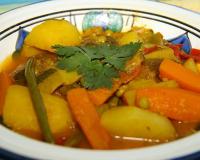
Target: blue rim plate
pixel 176 24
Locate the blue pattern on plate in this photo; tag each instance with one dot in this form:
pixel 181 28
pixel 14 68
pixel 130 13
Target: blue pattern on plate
pixel 107 20
pixel 184 40
pixel 20 40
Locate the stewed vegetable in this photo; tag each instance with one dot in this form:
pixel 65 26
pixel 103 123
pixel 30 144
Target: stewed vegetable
pixel 100 89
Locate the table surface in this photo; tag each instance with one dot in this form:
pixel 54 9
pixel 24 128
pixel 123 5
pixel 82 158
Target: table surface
pixel 6 5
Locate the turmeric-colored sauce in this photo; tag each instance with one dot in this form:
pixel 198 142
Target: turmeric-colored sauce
pixel 182 128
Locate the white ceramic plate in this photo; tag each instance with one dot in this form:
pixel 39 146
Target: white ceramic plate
pixel 177 25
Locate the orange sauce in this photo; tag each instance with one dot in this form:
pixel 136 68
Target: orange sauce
pixel 10 64
pixel 183 128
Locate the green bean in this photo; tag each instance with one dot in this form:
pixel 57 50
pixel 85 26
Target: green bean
pixel 74 139
pixel 37 101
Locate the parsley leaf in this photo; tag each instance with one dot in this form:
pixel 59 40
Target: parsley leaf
pixel 121 55
pixel 98 65
pixel 73 62
pixel 96 75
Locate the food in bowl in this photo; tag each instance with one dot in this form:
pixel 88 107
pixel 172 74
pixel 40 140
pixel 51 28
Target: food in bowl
pixel 100 89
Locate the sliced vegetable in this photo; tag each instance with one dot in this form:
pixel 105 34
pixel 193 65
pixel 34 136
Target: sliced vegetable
pixel 87 117
pixel 62 31
pixel 131 121
pixel 183 76
pixel 5 82
pixel 56 79
pixel 19 113
pixel 175 103
pixel 190 64
pixel 37 101
pixel 163 53
pixel 99 96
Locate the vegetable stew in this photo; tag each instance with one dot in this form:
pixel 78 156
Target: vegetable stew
pixel 100 89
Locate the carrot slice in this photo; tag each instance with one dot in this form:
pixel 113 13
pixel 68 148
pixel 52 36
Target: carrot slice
pixel 99 96
pixel 5 82
pixel 178 104
pixel 87 117
pixel 184 77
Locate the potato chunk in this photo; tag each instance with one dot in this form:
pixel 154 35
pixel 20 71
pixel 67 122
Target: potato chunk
pixel 19 114
pixel 53 32
pixel 135 122
pixel 28 51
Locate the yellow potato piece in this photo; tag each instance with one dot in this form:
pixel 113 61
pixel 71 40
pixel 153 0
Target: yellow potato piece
pixel 140 34
pixel 19 114
pixel 135 122
pixel 28 51
pixel 129 37
pixel 53 32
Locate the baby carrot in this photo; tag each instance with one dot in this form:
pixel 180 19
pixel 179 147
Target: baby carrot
pixel 183 76
pixel 175 103
pixel 85 113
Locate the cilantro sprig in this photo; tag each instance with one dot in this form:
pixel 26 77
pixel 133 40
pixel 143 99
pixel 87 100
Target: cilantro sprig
pixel 98 65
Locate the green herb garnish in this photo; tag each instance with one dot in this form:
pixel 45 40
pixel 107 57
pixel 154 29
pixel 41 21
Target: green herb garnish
pixel 98 65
